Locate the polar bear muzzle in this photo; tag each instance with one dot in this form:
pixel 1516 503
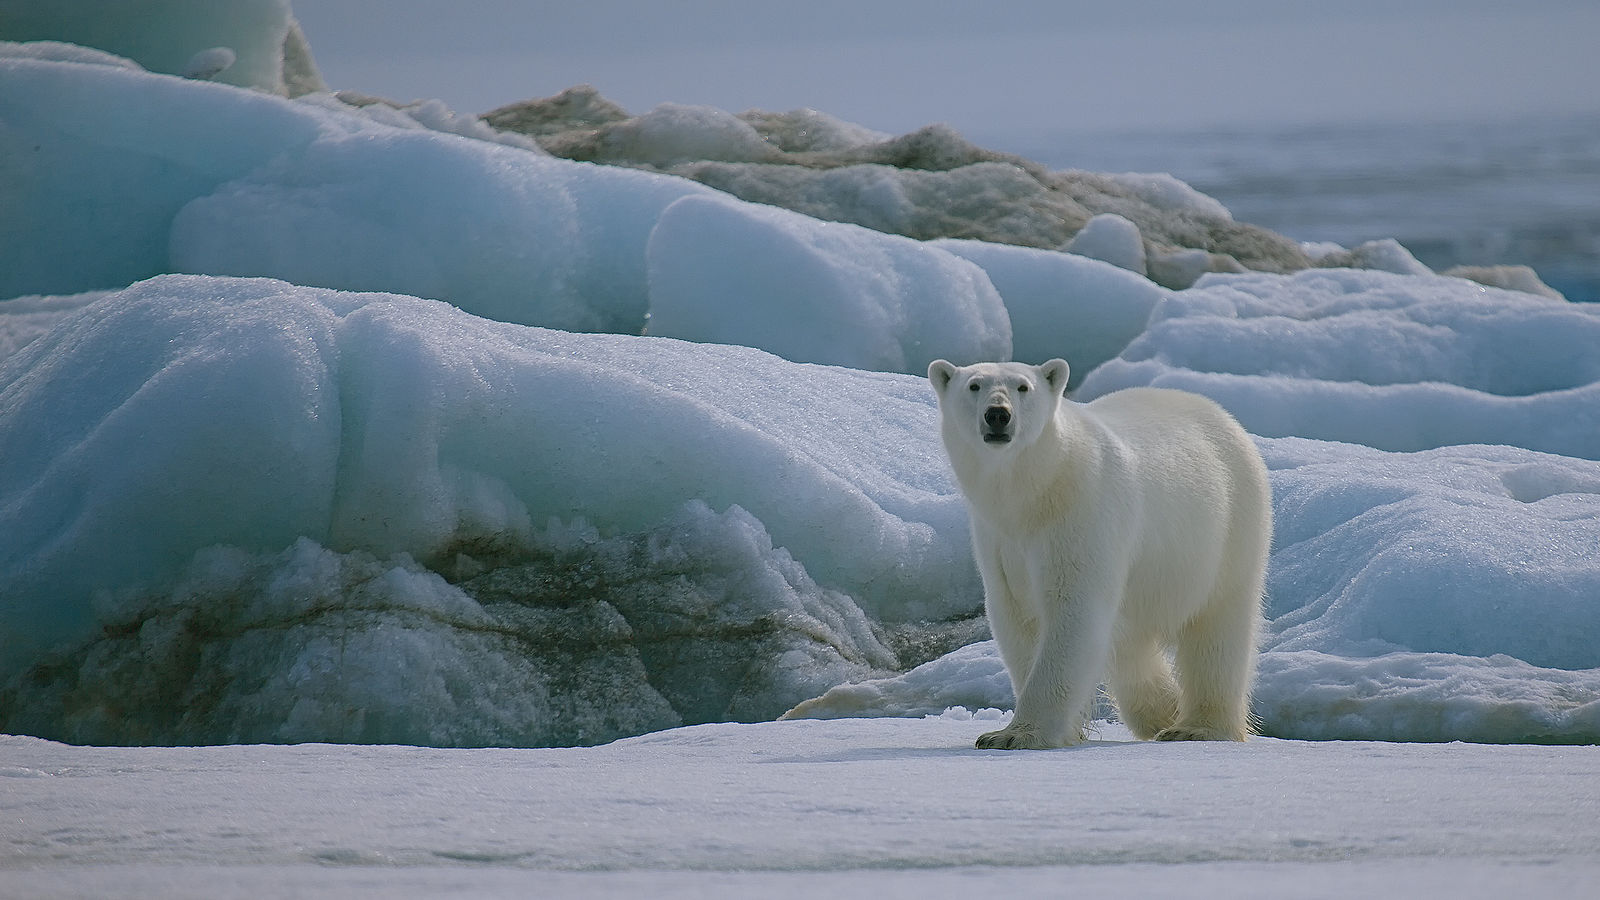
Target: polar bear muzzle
pixel 997 425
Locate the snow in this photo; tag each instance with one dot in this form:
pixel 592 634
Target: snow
pixel 1061 304
pixel 292 451
pixel 1113 239
pixel 253 413
pixel 726 271
pixel 193 460
pixel 1390 361
pixel 862 807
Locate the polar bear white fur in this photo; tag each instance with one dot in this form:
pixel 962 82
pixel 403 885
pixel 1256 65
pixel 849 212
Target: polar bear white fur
pixel 1110 535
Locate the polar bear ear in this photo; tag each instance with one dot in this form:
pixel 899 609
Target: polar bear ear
pixel 940 371
pixel 1055 372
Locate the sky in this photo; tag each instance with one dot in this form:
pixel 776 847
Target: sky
pixel 990 70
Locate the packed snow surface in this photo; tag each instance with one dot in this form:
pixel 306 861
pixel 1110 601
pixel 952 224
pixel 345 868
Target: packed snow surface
pixel 857 808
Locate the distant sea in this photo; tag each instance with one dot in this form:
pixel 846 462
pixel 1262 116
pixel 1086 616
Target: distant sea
pixel 1519 191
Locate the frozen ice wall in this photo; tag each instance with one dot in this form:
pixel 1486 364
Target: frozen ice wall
pixel 190 412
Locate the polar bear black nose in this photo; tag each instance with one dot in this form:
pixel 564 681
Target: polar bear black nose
pixel 997 417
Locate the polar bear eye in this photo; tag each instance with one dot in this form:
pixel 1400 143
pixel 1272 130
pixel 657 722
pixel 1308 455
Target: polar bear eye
pixel 973 387
pixel 1022 388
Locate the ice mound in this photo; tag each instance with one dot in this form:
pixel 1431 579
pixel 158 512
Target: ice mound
pixel 209 179
pixel 586 640
pixel 189 411
pixel 1390 361
pixel 1063 305
pixel 248 43
pixel 725 271
pixel 930 183
pixel 1110 238
pixel 499 232
pixel 1452 550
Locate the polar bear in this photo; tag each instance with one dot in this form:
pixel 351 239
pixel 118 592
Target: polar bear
pixel 1110 534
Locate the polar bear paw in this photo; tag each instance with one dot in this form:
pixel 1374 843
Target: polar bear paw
pixel 1196 733
pixel 1013 737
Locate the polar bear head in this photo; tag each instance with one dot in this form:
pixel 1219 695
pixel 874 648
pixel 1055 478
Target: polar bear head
pixel 997 405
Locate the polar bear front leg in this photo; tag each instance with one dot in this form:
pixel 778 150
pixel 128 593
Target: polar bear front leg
pixel 1054 696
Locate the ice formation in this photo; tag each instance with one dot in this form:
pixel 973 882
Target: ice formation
pixel 1390 361
pixel 300 513
pixel 1061 304
pixel 730 272
pixel 928 184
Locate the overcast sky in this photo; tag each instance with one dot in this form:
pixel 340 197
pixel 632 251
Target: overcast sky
pixel 989 69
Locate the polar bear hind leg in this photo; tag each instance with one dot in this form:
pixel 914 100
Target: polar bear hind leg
pixel 1216 665
pixel 1142 686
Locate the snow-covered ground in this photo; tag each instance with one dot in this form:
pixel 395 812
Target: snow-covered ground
pixel 372 426
pixel 856 808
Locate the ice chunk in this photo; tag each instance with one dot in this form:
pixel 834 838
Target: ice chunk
pixel 1063 305
pixel 737 273
pixel 1111 238
pixel 1387 255
pixel 432 115
pixel 114 153
pixel 189 411
pixel 141 174
pixel 1394 362
pixel 494 230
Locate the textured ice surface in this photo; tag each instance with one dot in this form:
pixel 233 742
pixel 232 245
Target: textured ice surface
pixel 1391 361
pixel 726 271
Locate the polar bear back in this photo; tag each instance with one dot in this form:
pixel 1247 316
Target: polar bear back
pixel 1195 484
